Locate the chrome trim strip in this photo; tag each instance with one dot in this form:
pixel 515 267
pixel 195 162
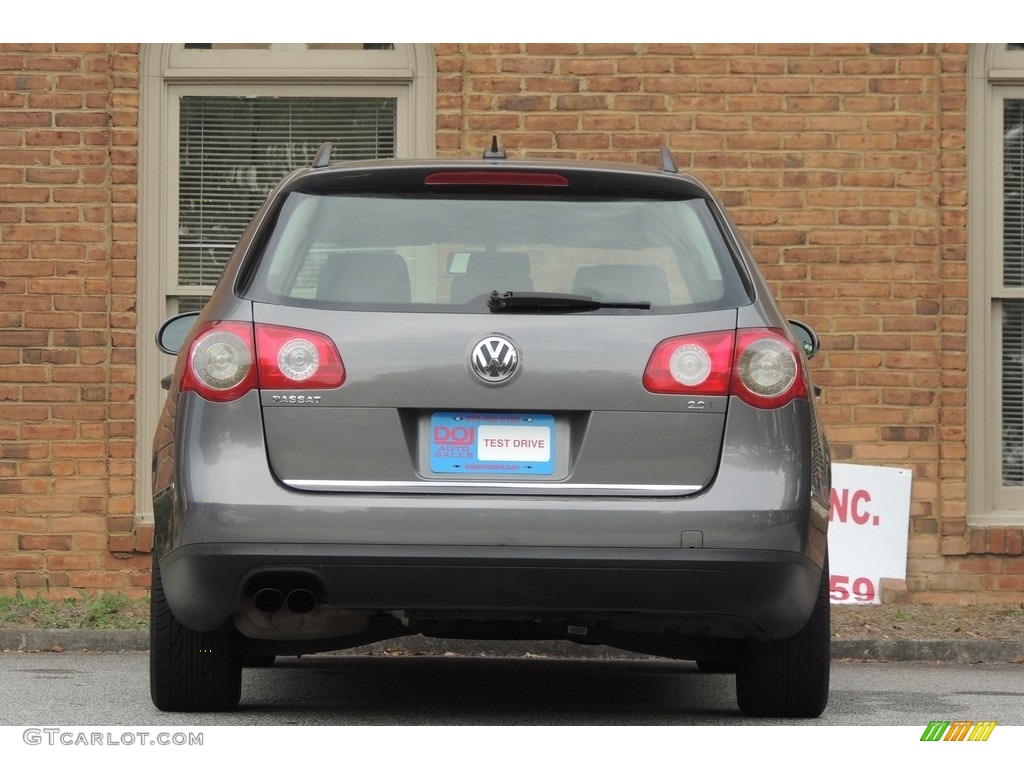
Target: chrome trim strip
pixel 428 486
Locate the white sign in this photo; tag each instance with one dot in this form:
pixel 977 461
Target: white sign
pixel 868 529
pixel 500 443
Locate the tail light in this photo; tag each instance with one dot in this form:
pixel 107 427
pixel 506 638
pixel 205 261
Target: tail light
pixel 221 361
pixel 227 359
pixel 293 359
pixel 691 365
pixel 758 365
pixel 768 372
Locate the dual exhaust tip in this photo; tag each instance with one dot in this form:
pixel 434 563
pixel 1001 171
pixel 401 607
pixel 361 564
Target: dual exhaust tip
pixel 272 600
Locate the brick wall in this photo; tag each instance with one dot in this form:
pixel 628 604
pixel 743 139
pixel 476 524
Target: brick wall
pixel 843 164
pixel 68 158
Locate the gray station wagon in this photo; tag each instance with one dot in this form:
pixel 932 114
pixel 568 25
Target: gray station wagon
pixel 491 399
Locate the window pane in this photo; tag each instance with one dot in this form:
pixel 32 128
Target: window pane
pixel 1013 393
pixel 234 150
pixel 192 303
pixel 425 251
pixel 1013 192
pixel 1013 311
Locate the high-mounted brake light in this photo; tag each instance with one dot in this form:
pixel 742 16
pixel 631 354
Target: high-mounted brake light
pixel 758 365
pixel 497 179
pixel 229 358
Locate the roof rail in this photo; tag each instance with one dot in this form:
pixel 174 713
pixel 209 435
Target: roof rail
pixel 322 158
pixel 668 162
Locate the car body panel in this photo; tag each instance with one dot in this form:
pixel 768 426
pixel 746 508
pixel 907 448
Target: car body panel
pixel 371 428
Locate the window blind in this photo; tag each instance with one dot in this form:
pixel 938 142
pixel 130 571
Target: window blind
pixel 233 150
pixel 1013 192
pixel 1013 393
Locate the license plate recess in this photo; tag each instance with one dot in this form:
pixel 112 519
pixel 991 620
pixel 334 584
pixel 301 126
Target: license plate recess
pixel 467 443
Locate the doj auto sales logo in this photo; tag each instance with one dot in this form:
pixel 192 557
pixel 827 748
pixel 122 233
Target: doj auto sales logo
pixel 494 360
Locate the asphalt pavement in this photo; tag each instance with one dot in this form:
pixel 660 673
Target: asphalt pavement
pixel 114 641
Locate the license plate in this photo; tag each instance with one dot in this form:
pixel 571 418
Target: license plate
pixel 492 443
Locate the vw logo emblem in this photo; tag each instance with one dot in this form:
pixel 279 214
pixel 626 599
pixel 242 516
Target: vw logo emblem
pixel 494 359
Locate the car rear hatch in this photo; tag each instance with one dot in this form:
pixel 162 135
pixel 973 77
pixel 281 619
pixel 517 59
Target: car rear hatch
pixel 497 330
pixel 414 414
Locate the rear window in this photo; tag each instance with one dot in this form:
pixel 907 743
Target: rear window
pixel 429 253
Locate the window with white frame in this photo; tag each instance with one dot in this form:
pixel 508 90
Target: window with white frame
pixel 1010 300
pixel 233 150
pixel 220 125
pixel 996 275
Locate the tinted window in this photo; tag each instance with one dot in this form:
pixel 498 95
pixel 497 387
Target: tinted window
pixel 428 253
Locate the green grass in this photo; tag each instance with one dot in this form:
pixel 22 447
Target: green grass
pixel 106 611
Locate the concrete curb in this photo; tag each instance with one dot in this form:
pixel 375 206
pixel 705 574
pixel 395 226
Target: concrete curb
pixel 117 641
pixel 950 651
pixel 101 640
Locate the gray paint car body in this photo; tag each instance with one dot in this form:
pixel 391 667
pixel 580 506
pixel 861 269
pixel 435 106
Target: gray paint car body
pixel 668 522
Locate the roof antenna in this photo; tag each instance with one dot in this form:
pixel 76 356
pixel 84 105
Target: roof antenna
pixel 495 152
pixel 322 158
pixel 668 162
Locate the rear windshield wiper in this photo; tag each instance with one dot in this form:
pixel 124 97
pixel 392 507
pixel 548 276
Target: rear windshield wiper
pixel 528 301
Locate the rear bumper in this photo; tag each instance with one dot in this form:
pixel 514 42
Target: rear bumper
pixel 719 593
pixel 740 559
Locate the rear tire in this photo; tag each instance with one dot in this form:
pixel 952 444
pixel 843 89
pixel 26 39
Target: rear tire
pixel 190 671
pixel 790 677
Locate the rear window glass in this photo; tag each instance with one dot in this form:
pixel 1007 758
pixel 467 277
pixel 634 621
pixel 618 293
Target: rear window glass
pixel 429 253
